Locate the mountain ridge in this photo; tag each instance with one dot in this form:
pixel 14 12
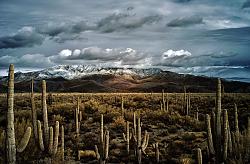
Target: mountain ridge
pixel 84 78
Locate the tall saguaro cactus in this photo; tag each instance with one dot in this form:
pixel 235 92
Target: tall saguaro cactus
pixel 45 115
pixel 48 137
pixel 102 152
pixel 157 152
pixel 127 137
pixel 11 147
pixel 10 132
pixel 218 120
pixel 78 117
pixel 140 146
pixel 33 109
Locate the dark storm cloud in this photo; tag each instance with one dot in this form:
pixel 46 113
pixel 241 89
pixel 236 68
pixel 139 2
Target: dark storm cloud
pixel 25 37
pixel 120 22
pixel 28 60
pixel 65 31
pixel 185 21
pixel 61 32
pixel 246 4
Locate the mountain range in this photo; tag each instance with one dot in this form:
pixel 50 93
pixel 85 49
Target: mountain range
pixel 88 78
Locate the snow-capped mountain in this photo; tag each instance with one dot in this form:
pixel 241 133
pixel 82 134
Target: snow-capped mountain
pixel 70 72
pixel 90 78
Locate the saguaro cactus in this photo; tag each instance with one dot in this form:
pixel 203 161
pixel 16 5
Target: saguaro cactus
pixel 157 152
pixel 218 121
pixel 47 139
pixel 33 109
pixel 11 147
pixel 163 101
pixel 103 154
pixel 209 135
pixel 199 156
pixel 127 137
pixel 53 138
pixel 225 135
pixel 122 106
pixel 140 146
pixel 62 144
pixel 45 115
pixel 215 138
pixel 78 117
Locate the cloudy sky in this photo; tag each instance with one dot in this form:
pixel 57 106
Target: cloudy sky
pixel 203 37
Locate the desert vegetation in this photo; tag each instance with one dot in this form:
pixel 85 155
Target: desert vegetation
pixel 124 127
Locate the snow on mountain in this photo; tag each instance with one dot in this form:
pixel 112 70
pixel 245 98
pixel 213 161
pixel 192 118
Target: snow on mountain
pixel 77 71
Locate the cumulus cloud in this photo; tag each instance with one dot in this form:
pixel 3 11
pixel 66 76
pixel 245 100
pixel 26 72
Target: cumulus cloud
pixel 25 37
pixel 119 22
pixel 174 58
pixel 172 54
pixel 126 56
pixel 186 21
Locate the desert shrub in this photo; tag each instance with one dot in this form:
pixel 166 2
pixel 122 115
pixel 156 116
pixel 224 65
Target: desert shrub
pixel 107 118
pixel 57 118
pixel 90 140
pixel 189 137
pixel 91 107
pixel 119 124
pixel 25 114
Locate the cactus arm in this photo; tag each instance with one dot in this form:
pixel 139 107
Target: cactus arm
pixel 199 156
pixel 124 137
pixel 145 145
pixel 145 139
pixel 107 145
pixel 51 134
pixel 139 141
pixel 77 122
pixel 225 135
pixel 209 135
pixel 157 153
pixel 55 144
pixel 24 141
pixel 230 147
pixel 101 132
pixel 97 153
pixel 128 137
pixel 10 130
pixel 134 120
pixel 62 140
pixel 40 135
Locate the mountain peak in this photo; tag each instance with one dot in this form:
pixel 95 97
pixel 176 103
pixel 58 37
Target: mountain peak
pixel 70 72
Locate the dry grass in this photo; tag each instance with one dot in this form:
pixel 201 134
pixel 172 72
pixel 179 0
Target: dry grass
pixel 178 135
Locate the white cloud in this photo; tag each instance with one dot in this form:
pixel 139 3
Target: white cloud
pixel 65 53
pixel 172 53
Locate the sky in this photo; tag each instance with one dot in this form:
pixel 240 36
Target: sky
pixel 201 37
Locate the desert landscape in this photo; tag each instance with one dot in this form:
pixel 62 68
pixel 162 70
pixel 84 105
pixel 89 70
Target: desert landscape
pixel 125 82
pixel 124 127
